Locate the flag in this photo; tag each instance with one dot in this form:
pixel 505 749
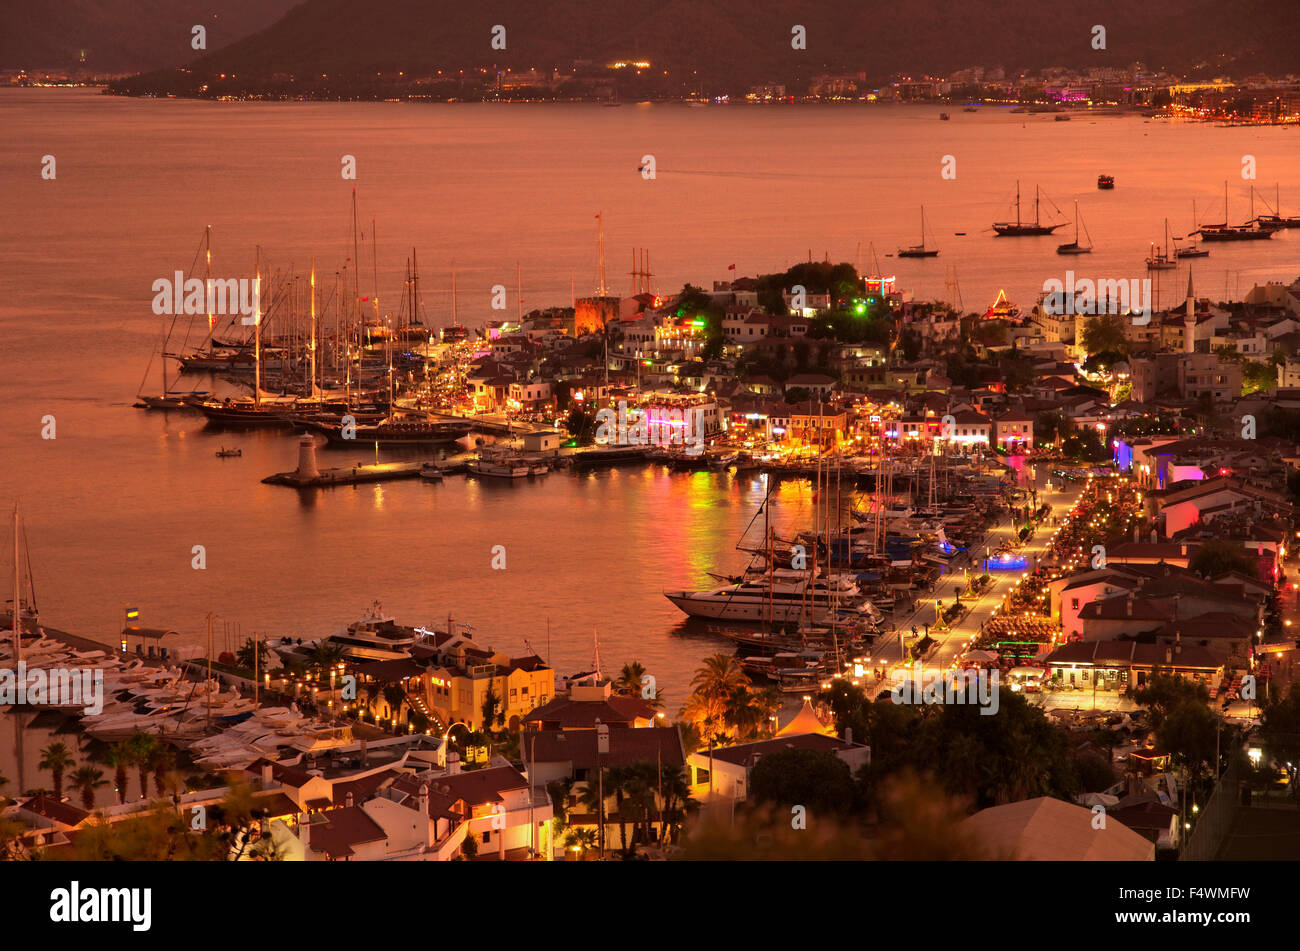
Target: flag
pixel 731 267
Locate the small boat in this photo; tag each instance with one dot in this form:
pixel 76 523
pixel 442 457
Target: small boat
pixel 919 250
pixel 224 453
pixel 500 463
pixel 431 471
pixel 944 116
pixel 1074 247
pixel 1105 181
pixel 1162 259
pixel 1192 251
pixel 970 109
pixel 1062 118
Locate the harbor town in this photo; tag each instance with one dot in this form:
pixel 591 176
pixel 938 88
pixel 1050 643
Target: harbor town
pixel 653 434
pixel 1088 512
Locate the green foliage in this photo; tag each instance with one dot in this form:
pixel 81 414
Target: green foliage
pixel 1016 754
pixel 1188 731
pixel 818 780
pixel 158 835
pixel 1163 692
pixel 1104 334
pixel 581 424
pixel 1257 377
pixel 818 277
pixel 245 656
pixel 57 760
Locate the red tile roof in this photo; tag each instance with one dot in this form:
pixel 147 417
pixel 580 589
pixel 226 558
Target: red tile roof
pixel 341 830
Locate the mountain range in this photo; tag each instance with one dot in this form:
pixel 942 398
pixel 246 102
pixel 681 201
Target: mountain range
pixel 720 44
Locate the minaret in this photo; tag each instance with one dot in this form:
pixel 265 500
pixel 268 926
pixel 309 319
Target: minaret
pixel 1189 318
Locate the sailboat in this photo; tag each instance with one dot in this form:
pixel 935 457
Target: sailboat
pixel 1161 259
pixel 1277 220
pixel 1192 251
pixel 1074 247
pixel 1252 230
pixel 919 250
pixel 1019 228
pixel 168 399
pixel 257 410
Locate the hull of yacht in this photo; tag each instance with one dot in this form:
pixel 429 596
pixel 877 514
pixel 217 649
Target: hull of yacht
pixel 706 604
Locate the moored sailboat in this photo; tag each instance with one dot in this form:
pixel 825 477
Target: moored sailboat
pixel 1020 228
pixel 919 250
pixel 1074 247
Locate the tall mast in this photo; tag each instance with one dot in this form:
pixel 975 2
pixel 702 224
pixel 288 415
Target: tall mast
pixel 313 328
pixel 356 260
pixel 1017 201
pixel 374 264
pixel 600 232
pixel 415 290
pixel 18 593
pixel 257 331
pixel 454 318
pixel 519 292
pixel 207 270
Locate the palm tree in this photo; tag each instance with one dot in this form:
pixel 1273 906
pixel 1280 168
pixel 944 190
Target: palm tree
pixel 617 780
pixel 88 779
pixel 640 802
pixel 395 696
pixel 677 801
pixel 489 710
pixel 629 680
pixel 591 798
pixel 718 676
pixel 56 759
pixel 244 656
pixel 324 656
pixel 162 761
pixel 120 757
pixel 142 746
pixel 560 790
pixel 581 839
pixel 741 713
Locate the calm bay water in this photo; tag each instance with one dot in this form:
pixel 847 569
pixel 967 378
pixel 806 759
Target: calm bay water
pixel 116 502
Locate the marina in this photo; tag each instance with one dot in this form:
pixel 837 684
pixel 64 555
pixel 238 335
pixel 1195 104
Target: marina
pixel 827 478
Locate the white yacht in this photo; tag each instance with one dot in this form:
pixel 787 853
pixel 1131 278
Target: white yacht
pixel 784 596
pixel 375 636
